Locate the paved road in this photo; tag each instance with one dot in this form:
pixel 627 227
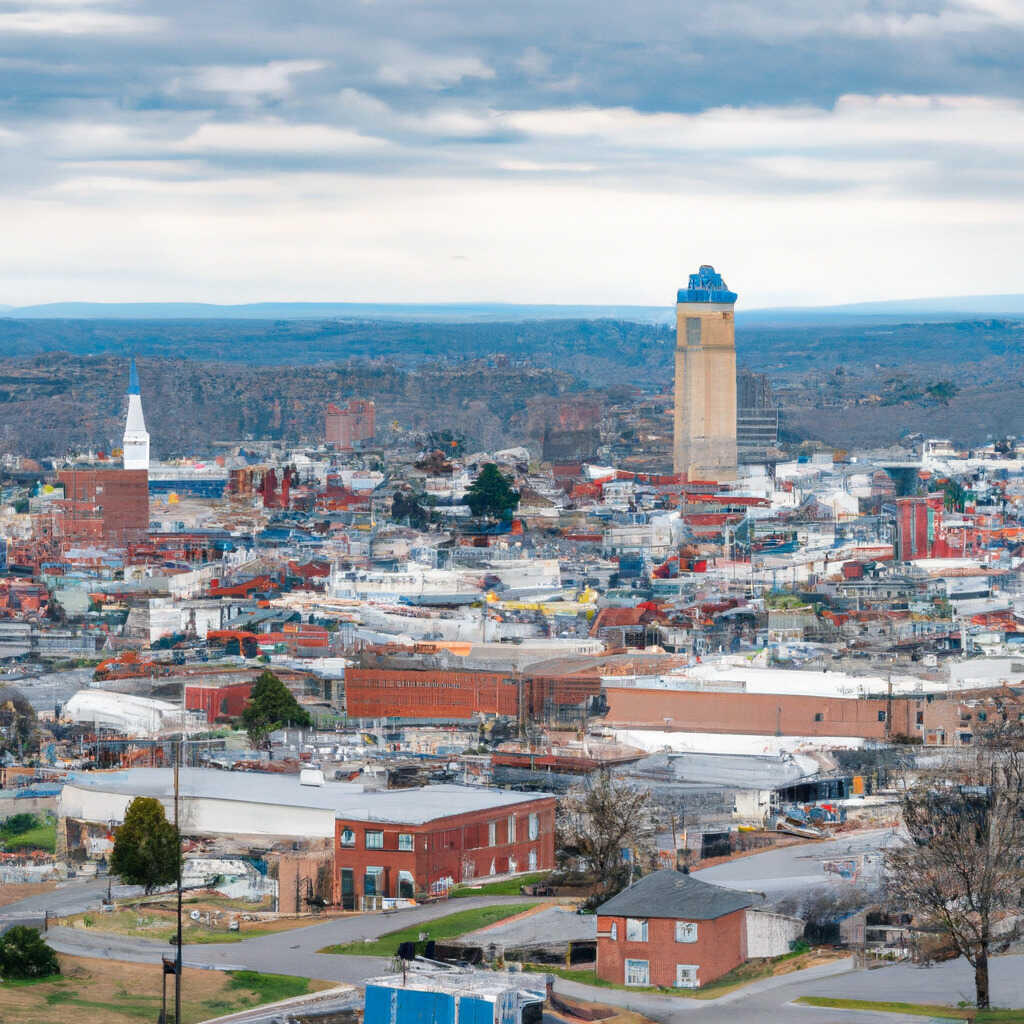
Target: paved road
pixel 291 952
pixel 74 896
pixel 793 870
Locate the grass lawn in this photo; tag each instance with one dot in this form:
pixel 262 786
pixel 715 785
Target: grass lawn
pixel 90 990
pixel 439 929
pixel 753 970
pixel 919 1009
pixel 42 837
pixel 509 887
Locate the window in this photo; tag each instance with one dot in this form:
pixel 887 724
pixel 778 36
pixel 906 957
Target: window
pixel 686 975
pixel 372 882
pixel 511 828
pixel 638 972
pixel 920 718
pixel 374 840
pixel 405 841
pixel 686 931
pixel 492 833
pixel 534 826
pixel 636 929
pixel 348 837
pixel 881 716
pixel 819 716
pixel 614 933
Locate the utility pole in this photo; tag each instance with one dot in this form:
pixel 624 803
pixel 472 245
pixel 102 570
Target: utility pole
pixel 177 832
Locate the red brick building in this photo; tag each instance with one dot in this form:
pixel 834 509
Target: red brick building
pixel 451 695
pixel 671 930
pixel 217 701
pixel 106 506
pixel 426 840
pixel 348 427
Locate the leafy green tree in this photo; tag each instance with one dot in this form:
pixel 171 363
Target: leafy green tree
pixel 271 706
pixel 24 954
pixel 16 824
pixel 491 494
pixel 146 848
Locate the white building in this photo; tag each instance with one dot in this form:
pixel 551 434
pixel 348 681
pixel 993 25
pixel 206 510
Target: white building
pixel 135 446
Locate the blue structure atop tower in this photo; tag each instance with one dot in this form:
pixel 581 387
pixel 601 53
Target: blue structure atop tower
pixel 706 286
pixel 133 380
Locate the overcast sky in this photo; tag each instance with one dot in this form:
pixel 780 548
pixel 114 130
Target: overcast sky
pixel 519 150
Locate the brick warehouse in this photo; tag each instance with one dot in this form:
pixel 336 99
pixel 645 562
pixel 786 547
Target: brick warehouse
pixel 445 695
pixel 424 841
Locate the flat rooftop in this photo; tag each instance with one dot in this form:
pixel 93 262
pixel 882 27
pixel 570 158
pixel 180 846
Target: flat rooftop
pixel 348 800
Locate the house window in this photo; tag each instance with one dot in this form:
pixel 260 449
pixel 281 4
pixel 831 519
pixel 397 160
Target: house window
pixel 638 972
pixel 492 833
pixel 686 975
pixel 920 718
pixel 534 826
pixel 881 716
pixel 375 840
pixel 511 828
pixel 686 931
pixel 405 841
pixel 819 716
pixel 348 837
pixel 636 929
pixel 614 932
pixel 372 882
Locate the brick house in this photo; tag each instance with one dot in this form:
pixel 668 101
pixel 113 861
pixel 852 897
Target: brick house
pixel 422 841
pixel 671 930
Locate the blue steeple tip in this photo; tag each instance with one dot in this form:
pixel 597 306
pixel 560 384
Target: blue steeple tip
pixel 133 379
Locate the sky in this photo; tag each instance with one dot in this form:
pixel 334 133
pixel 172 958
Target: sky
pixel 541 151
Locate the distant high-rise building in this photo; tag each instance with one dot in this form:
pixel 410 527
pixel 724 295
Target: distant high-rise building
pixel 135 446
pixel 346 428
pixel 705 400
pixel 757 416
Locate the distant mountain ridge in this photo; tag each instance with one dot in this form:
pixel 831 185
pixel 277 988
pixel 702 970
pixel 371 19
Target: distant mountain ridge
pixel 928 309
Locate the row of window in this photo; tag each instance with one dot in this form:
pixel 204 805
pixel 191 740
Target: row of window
pixel 638 972
pixel 374 838
pixel 636 930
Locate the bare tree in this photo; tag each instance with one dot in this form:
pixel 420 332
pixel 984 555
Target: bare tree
pixel 599 820
pixel 962 873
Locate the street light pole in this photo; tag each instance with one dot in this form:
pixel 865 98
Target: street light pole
pixel 177 833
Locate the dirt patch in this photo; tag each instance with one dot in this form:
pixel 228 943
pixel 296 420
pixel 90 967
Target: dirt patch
pixel 159 921
pixel 91 990
pixel 21 891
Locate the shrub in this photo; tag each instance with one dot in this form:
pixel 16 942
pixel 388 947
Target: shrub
pixel 24 954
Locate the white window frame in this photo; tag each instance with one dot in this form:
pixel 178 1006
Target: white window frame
pixel 534 825
pixel 613 932
pixel 686 931
pixel 511 828
pixel 492 833
pixel 406 841
pixel 632 965
pixel 378 839
pixel 680 983
pixel 347 838
pixel 636 929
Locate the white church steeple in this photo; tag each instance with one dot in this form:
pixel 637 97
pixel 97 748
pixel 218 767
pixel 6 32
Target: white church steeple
pixel 136 438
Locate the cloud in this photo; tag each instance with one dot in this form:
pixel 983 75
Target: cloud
pixel 274 78
pixel 273 136
pixel 404 66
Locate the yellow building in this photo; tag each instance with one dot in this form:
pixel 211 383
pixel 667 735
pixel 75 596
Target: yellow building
pixel 705 401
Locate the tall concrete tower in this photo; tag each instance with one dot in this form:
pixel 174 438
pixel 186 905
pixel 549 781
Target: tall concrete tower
pixel 705 407
pixel 136 438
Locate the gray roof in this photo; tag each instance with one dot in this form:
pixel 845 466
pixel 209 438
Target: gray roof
pixel 677 895
pixel 348 801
